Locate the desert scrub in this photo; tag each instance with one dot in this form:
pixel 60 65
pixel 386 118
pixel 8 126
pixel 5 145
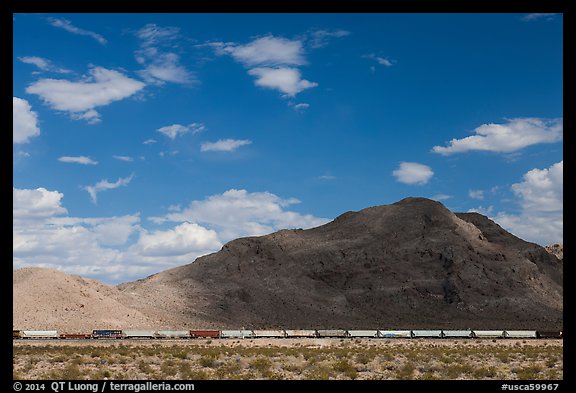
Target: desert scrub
pixel 261 364
pixel 406 371
pixel 343 366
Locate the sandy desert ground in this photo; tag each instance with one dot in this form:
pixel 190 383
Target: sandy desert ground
pixel 291 359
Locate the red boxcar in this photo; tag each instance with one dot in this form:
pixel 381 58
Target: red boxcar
pixel 205 333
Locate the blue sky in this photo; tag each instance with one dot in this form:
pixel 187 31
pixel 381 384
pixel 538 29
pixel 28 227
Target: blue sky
pixel 142 141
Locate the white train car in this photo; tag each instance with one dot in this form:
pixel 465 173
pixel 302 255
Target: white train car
pixel 457 333
pixel 300 333
pixel 139 334
pixel 173 334
pixel 332 333
pixel 269 333
pixel 39 334
pixel 236 334
pixel 427 333
pixel 363 333
pixel 395 333
pixel 489 333
pixel 521 334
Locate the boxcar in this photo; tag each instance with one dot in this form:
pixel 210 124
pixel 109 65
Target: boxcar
pixel 521 334
pixel 173 334
pixel 457 333
pixel 300 333
pixel 205 333
pixel 427 333
pixel 40 334
pixel 488 333
pixel 362 333
pixel 395 333
pixel 549 333
pixel 236 334
pixel 332 333
pixel 107 333
pixel 16 334
pixel 269 333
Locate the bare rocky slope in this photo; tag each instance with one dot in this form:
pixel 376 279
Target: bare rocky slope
pixel 411 264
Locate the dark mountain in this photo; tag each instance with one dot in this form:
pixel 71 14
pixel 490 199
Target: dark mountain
pixel 411 264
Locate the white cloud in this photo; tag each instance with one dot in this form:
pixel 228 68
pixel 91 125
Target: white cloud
pixel 161 65
pixel 286 80
pixel 413 173
pixel 184 239
pixel 43 64
pixel 103 185
pixel 301 107
pixel 175 130
pixel 512 136
pixel 36 204
pixel 69 27
pixel 78 160
pixel 224 145
pixel 149 141
pixel 536 16
pixel 24 121
pixel 327 177
pixel 272 61
pixel 386 62
pixel 476 194
pixel 441 197
pixel 540 197
pixel 238 213
pixel 268 50
pixel 80 98
pixel 124 158
pixel 320 38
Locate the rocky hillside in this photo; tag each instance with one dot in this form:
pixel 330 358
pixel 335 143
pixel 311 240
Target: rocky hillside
pixel 411 264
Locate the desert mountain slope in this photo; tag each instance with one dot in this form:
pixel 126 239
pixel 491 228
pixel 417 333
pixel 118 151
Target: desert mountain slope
pixel 411 264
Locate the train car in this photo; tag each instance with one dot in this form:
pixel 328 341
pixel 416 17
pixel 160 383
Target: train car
pixel 269 333
pixel 489 333
pixel 16 334
pixel 236 334
pixel 149 334
pixel 337 333
pixel 40 334
pixel 395 333
pixel 75 336
pixel 173 334
pixel 457 333
pixel 427 333
pixel 300 333
pixel 107 333
pixel 520 334
pixel 363 333
pixel 205 333
pixel 549 333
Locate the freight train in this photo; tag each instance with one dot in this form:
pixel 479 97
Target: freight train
pixel 119 334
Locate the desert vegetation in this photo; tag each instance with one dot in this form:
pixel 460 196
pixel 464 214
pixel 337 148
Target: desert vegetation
pixel 291 359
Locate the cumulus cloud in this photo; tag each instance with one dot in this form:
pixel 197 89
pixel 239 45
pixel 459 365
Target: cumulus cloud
pixel 149 141
pixel 83 160
pixel 384 61
pixel 43 64
pixel 184 239
pixel 101 87
pixel 413 173
pixel 238 213
pixel 224 145
pixel 175 130
pixel 160 63
pixel 104 185
pixel 300 107
pixel 512 136
pixel 272 61
pixel 123 158
pixel 540 197
pixel 536 16
pixel 24 121
pixel 287 80
pixel 441 197
pixel 320 38
pixel 69 27
pixel 476 194
pixel 36 204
